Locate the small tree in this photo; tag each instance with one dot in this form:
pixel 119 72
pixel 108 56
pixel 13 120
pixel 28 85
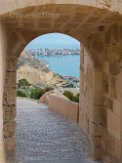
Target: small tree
pixel 23 83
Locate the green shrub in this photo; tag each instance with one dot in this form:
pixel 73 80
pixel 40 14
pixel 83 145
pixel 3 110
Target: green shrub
pixel 75 99
pixel 33 93
pixel 47 89
pixel 70 96
pixel 36 93
pixel 20 93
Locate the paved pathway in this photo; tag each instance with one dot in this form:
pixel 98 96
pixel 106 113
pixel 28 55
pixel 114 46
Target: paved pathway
pixel 45 137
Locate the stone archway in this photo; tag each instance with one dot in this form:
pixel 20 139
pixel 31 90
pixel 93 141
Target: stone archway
pixel 94 28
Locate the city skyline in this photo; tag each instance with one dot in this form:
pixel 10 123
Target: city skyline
pixel 53 52
pixel 54 41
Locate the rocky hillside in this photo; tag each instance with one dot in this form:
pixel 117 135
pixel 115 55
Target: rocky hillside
pixel 35 71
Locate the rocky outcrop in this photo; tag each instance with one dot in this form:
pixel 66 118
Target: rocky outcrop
pixel 36 72
pixel 35 76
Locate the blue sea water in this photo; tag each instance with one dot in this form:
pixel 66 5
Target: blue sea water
pixel 65 65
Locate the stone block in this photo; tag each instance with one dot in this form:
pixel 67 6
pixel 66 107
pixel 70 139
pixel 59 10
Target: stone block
pixel 98 101
pixel 105 83
pixel 9 112
pixel 2 153
pixel 104 144
pixel 11 64
pixel 117 106
pixel 109 159
pixel 109 142
pixel 107 102
pixel 104 117
pixel 98 80
pixel 96 151
pixel 10 80
pixel 94 129
pixel 10 148
pixel 115 126
pixel 109 121
pixel 104 139
pixel 9 97
pixel 9 129
pixel 115 67
pixel 96 114
pixel 112 91
pixel 113 147
pixel 106 67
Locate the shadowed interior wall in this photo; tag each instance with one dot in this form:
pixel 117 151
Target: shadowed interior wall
pixel 90 104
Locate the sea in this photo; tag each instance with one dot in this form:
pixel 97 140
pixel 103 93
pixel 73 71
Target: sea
pixel 65 65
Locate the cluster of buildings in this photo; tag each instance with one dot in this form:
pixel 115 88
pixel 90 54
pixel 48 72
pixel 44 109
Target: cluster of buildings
pixel 51 52
pixel 75 82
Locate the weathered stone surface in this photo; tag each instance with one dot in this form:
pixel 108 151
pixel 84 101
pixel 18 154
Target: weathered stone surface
pixel 106 67
pixel 106 85
pixel 108 103
pixel 9 97
pixel 95 144
pixel 112 147
pixel 10 148
pixel 117 105
pixel 2 73
pixel 97 115
pixel 109 120
pixel 11 64
pixel 10 81
pixel 114 49
pixel 113 124
pixel 9 129
pixel 115 67
pixel 109 159
pixel 94 42
pixel 9 112
pixel 95 129
pixel 63 106
pixel 112 90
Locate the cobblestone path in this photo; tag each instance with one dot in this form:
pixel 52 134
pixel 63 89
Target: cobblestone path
pixel 45 137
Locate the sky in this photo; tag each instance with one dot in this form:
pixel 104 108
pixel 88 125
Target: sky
pixel 54 41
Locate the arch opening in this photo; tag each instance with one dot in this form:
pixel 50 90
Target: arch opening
pixel 85 59
pixel 58 50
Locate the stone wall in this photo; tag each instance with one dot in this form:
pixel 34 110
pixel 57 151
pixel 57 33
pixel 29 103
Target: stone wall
pixel 111 142
pixel 87 90
pixel 9 108
pixel 9 103
pixel 3 45
pixel 90 111
pixel 11 5
pixel 64 107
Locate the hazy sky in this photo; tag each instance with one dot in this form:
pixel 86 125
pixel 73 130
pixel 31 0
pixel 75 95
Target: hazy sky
pixel 54 41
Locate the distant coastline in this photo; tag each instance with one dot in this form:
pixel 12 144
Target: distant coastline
pixel 52 52
pixel 65 62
